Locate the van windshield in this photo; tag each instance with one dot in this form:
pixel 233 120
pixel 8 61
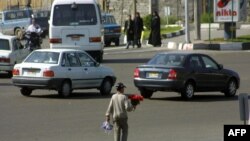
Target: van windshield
pixel 83 14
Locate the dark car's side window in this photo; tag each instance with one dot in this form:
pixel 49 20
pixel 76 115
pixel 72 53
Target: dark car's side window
pixel 209 63
pixel 194 62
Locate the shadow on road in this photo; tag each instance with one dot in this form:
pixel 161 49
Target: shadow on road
pixel 200 98
pixel 130 60
pixel 74 95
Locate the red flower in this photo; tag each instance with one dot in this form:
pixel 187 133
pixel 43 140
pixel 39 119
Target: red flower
pixel 135 99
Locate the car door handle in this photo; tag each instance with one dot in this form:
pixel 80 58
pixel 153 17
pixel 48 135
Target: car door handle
pixel 85 69
pixel 69 69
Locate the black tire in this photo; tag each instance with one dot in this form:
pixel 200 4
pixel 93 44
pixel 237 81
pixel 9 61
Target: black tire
pixel 117 42
pixel 107 43
pixel 231 88
pixel 26 91
pixel 146 93
pixel 106 87
pixel 188 91
pixel 65 89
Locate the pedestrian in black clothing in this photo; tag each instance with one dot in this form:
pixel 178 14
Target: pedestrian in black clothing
pixel 129 31
pixel 138 29
pixel 155 34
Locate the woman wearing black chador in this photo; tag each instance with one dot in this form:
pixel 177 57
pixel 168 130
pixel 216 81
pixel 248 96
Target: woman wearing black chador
pixel 155 34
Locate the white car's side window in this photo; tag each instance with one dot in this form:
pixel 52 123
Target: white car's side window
pixel 85 60
pixel 73 60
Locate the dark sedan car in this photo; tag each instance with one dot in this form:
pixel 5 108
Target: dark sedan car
pixel 185 73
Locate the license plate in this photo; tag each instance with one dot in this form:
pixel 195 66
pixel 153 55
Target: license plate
pixel 75 38
pixel 30 73
pixel 153 75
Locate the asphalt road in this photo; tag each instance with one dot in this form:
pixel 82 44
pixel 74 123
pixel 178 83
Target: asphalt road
pixel 166 117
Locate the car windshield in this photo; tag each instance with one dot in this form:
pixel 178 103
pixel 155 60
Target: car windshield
pixel 4 44
pixel 43 57
pixel 82 14
pixel 167 59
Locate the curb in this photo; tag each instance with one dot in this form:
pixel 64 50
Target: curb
pixel 207 46
pixel 173 34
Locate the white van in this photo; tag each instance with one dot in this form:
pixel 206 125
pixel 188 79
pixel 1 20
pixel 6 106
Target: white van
pixel 77 24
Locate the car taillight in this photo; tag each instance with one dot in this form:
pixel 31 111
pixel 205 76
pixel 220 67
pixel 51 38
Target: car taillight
pixel 55 40
pixel 172 74
pixel 48 73
pixel 95 39
pixel 136 73
pixel 5 60
pixel 15 72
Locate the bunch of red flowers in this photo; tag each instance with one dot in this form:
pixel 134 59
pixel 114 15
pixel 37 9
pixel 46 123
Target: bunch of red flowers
pixel 135 99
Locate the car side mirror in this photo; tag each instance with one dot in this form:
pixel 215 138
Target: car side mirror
pixel 220 66
pixel 97 64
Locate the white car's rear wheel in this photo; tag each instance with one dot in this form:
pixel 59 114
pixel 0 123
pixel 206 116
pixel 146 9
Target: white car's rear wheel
pixel 65 89
pixel 26 91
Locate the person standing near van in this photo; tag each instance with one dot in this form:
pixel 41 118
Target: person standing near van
pixel 138 29
pixel 118 107
pixel 155 34
pixel 129 31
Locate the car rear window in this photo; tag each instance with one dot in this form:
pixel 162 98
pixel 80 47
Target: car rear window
pixel 108 19
pixel 167 59
pixel 43 57
pixel 4 44
pixel 83 14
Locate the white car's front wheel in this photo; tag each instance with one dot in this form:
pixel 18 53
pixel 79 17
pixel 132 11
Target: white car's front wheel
pixel 106 87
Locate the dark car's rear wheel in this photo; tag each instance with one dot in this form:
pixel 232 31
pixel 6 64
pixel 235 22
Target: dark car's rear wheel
pixel 146 93
pixel 65 89
pixel 26 91
pixel 188 91
pixel 231 88
pixel 106 87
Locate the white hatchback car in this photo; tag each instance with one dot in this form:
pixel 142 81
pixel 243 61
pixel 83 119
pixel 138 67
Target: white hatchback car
pixel 11 52
pixel 62 70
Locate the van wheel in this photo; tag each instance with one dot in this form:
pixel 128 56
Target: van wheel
pixel 19 33
pixel 26 91
pixel 65 89
pixel 106 87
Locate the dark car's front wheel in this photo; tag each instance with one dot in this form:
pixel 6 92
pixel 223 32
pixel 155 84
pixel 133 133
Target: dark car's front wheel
pixel 231 88
pixel 146 93
pixel 188 91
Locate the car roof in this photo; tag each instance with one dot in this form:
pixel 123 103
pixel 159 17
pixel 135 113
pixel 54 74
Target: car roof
pixel 182 53
pixel 76 1
pixel 8 37
pixel 58 50
pixel 106 14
